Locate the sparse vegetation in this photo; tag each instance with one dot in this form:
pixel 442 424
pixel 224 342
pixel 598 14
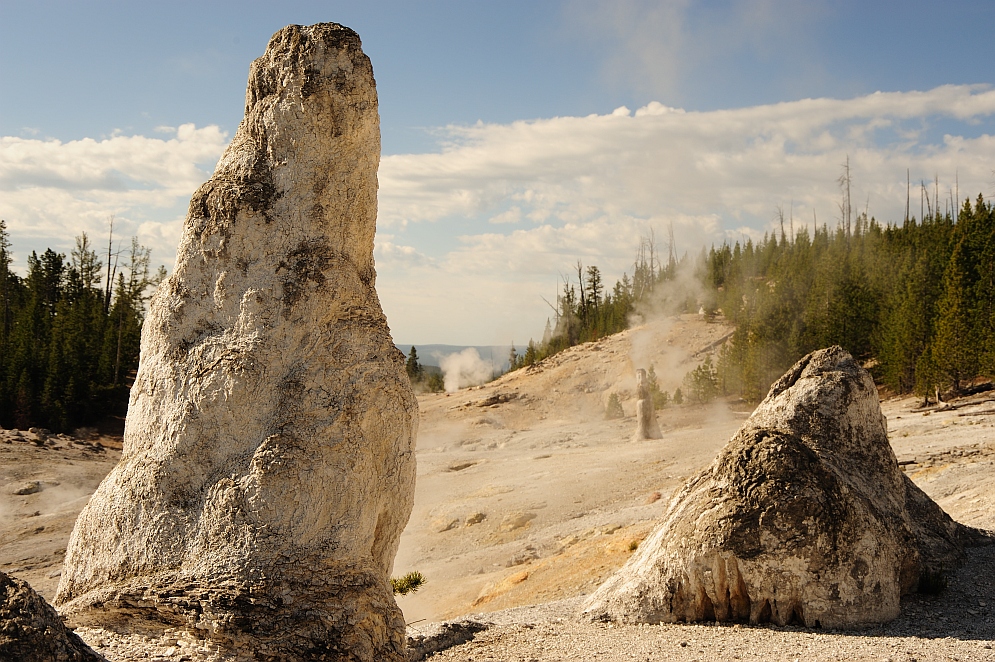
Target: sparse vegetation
pixel 613 409
pixel 587 310
pixel 633 545
pixel 409 583
pixel 702 383
pixel 435 382
pixel 423 378
pixel 660 398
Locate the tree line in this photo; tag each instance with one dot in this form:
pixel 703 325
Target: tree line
pixel 587 310
pixel 915 301
pixel 423 378
pixel 70 331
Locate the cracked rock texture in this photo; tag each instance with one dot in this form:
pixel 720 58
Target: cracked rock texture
pixel 804 517
pixel 268 465
pixel 31 630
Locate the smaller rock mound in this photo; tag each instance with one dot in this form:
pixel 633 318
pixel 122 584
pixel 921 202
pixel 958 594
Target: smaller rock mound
pixel 804 517
pixel 31 630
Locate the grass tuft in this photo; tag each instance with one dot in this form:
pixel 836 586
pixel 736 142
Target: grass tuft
pixel 409 583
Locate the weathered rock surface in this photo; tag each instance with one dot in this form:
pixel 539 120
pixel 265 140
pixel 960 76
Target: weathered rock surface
pixel 803 517
pixel 646 423
pixel 267 469
pixel 31 630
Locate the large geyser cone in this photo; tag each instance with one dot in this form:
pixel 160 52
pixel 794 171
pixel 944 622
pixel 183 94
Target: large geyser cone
pixel 268 465
pixel 804 517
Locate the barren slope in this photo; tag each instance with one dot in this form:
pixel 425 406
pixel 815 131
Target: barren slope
pixel 560 493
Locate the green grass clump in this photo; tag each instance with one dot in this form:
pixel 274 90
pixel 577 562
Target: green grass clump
pixel 409 583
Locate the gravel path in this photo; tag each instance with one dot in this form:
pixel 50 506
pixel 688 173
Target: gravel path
pixel 959 624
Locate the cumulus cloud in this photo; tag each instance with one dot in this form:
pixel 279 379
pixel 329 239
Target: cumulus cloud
pixel 474 235
pixel 587 187
pixel 397 253
pixel 661 160
pixel 52 190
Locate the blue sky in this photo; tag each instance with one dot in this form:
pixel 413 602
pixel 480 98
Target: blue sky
pixel 518 137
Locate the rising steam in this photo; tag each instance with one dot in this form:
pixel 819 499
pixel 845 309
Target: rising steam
pixel 464 369
pixel 651 324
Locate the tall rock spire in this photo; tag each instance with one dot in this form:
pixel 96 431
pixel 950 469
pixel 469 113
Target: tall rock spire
pixel 268 464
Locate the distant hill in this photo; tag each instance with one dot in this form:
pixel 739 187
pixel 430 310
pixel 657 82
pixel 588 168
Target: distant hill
pixel 431 354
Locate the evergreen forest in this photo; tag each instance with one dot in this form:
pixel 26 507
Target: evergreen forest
pixel 587 311
pixel 69 334
pixel 915 301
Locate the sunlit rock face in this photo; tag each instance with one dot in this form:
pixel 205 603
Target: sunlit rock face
pixel 268 465
pixel 804 517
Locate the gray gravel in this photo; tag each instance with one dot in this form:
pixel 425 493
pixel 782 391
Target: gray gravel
pixel 959 624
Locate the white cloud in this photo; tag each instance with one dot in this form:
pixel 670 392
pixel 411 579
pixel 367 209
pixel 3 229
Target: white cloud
pixel 664 48
pixel 52 190
pixel 588 187
pixel 661 161
pixel 510 215
pixel 398 254
pixel 474 235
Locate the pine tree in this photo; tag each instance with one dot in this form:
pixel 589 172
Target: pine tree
pixel 702 382
pixel 9 303
pixel 65 359
pixel 613 409
pixel 531 354
pixel 959 338
pixel 412 367
pixel 436 383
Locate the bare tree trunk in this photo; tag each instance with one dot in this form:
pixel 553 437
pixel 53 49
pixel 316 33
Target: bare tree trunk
pixel 908 185
pixel 791 220
pixel 936 192
pixel 120 333
pixel 671 248
pixel 107 285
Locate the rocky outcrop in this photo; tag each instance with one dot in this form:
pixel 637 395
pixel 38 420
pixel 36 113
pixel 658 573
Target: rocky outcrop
pixel 268 465
pixel 804 517
pixel 31 630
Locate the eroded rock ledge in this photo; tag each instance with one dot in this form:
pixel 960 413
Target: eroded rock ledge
pixel 804 517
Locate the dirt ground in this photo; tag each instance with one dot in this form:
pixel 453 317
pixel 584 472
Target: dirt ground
pixel 526 495
pixel 56 476
pixel 562 495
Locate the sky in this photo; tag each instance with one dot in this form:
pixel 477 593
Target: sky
pixel 518 137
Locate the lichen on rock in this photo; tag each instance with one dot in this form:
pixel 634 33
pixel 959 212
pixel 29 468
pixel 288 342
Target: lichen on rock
pixel 804 517
pixel 268 465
